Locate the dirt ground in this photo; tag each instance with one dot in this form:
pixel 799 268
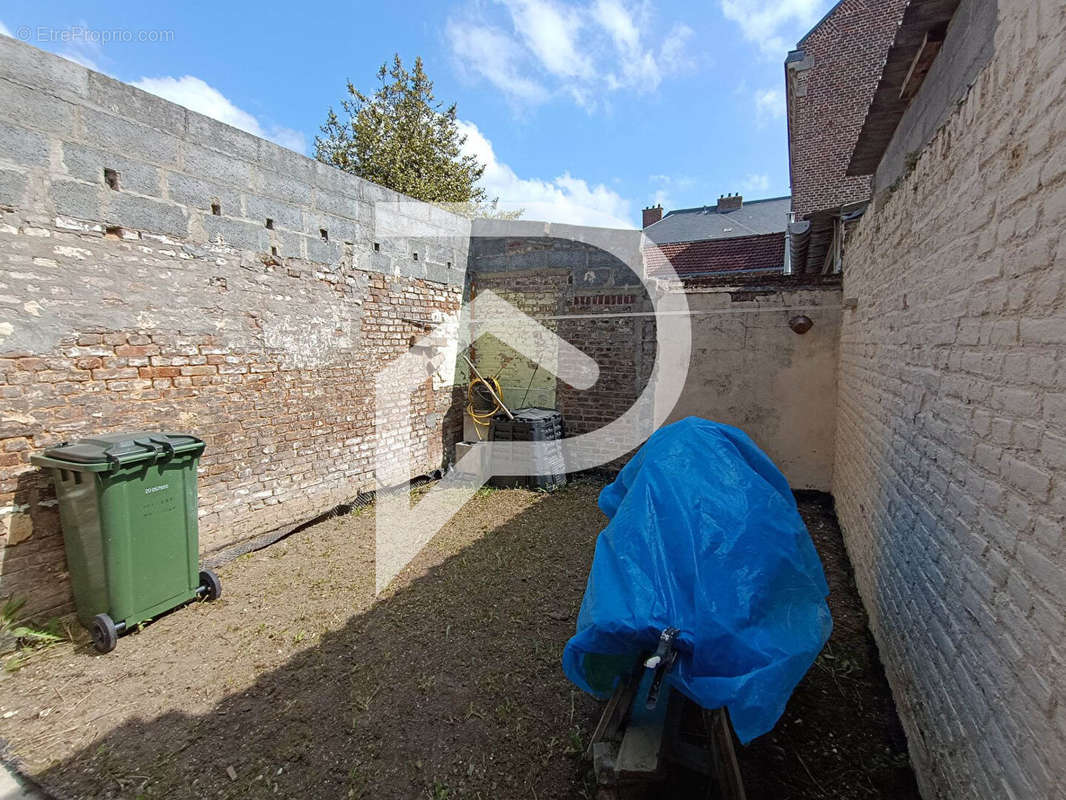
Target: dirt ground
pixel 298 683
pixel 839 736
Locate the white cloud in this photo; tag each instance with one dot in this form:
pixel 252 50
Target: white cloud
pixel 81 56
pixel 579 50
pixel 669 187
pixel 493 55
pixel 197 95
pixel 756 183
pixel 562 199
pixel 84 50
pixel 774 25
pixel 552 34
pixel 769 104
pixel 673 56
pixel 680 181
pixel 4 30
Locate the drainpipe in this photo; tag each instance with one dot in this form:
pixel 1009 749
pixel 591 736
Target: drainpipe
pixel 788 243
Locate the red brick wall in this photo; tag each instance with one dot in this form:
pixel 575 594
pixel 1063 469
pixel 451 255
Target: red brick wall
pixel 827 103
pixel 198 294
pixel 596 293
pixel 289 427
pixel 622 343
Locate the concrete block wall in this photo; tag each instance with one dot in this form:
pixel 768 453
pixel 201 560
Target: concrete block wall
pixel 169 301
pixel 950 476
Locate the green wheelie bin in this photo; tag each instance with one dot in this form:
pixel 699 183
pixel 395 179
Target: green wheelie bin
pixel 127 504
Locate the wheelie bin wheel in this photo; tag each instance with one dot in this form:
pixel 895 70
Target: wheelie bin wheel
pixel 105 635
pixel 211 585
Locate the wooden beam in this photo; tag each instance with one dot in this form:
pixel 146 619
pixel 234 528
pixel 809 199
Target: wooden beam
pixel 642 742
pixel 730 783
pixel 617 709
pixel 921 63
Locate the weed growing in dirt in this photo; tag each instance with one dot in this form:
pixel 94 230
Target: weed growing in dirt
pixel 24 637
pixel 356 783
pixel 575 741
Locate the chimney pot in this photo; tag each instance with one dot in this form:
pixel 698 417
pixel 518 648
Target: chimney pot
pixel 730 202
pixel 652 214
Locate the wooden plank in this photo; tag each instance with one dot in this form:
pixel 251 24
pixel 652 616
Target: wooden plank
pixel 614 713
pixel 887 107
pixel 728 770
pixel 642 743
pixel 921 63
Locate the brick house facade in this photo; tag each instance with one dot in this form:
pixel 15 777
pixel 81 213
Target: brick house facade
pixel 829 81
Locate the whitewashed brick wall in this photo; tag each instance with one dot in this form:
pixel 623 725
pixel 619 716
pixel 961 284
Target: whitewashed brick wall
pixel 950 474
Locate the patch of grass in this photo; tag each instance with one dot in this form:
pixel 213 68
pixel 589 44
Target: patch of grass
pixel 24 636
pixel 506 710
pixel 575 741
pixel 839 665
pixel 357 784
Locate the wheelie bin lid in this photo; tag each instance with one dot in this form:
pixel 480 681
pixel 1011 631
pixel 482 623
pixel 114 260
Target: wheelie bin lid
pixel 112 450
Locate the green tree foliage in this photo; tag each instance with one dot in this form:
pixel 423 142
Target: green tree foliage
pixel 404 139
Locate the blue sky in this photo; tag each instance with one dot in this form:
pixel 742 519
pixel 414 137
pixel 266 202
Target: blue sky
pixel 584 111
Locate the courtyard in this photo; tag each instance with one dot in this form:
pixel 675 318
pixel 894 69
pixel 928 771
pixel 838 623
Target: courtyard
pixel 298 682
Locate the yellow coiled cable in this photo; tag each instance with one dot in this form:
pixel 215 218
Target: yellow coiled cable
pixel 482 419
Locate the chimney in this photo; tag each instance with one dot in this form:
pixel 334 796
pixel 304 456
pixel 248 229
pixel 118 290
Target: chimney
pixel 730 202
pixel 653 214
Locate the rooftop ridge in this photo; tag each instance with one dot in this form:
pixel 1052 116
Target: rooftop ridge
pixel 652 244
pixel 747 203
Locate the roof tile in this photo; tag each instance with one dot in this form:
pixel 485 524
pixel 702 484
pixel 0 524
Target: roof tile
pixel 739 254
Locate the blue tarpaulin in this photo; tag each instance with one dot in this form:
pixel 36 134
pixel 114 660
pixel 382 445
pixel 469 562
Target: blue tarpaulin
pixel 704 535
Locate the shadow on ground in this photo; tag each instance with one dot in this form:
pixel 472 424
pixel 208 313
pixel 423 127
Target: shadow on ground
pixel 448 686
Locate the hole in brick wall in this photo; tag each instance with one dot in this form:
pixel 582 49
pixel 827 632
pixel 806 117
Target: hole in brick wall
pixel 270 223
pixel 111 178
pixel 113 231
pixel 377 246
pixel 216 209
pixel 415 256
pixel 273 250
pixel 448 264
pixel 324 234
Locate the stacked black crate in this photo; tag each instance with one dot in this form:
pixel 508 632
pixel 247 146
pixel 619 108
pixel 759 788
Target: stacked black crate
pixel 529 425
